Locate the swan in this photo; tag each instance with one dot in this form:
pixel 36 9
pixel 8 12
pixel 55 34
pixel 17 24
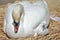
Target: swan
pixel 25 19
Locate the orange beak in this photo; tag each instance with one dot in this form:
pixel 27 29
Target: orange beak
pixel 15 28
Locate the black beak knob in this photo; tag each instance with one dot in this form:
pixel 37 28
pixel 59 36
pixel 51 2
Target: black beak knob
pixel 16 23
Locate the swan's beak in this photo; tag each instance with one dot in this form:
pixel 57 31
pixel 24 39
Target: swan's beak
pixel 16 17
pixel 16 26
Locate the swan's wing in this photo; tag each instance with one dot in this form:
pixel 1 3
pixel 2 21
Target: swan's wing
pixel 45 3
pixel 41 3
pixel 5 17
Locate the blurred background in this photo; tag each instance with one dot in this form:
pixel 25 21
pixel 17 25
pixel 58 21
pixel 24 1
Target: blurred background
pixel 54 27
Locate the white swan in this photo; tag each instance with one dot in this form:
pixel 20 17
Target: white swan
pixel 25 19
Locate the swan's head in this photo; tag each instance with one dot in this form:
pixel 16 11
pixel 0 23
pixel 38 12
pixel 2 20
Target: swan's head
pixel 16 15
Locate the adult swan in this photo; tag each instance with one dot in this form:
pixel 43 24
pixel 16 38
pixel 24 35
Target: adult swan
pixel 26 19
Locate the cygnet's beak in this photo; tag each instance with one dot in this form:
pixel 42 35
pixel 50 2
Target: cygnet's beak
pixel 16 17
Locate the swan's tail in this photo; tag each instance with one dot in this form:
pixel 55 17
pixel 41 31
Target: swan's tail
pixel 55 18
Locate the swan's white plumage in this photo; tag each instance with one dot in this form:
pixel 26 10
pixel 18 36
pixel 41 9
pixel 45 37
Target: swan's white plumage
pixel 35 16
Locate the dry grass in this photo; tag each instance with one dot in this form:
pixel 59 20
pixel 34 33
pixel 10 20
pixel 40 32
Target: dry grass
pixel 54 27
